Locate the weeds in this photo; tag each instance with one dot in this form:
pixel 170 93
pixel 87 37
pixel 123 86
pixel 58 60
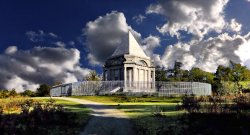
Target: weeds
pixel 40 118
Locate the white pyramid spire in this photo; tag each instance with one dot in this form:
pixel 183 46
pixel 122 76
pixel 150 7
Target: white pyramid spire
pixel 129 46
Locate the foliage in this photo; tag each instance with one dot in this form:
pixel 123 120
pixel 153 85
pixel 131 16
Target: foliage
pixel 92 76
pixel 198 75
pixel 160 74
pixel 28 93
pixel 7 93
pixel 40 118
pixel 219 80
pixel 242 102
pixel 190 103
pixel 177 74
pixel 238 75
pixel 43 90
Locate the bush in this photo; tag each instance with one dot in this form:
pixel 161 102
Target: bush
pixel 190 103
pixel 242 102
pixel 40 118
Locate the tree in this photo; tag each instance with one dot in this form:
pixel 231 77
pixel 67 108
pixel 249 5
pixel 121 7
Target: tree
pixel 13 93
pixel 92 76
pixel 28 93
pixel 222 73
pixel 198 75
pixel 177 74
pixel 160 74
pixel 4 93
pixel 43 90
pixel 238 74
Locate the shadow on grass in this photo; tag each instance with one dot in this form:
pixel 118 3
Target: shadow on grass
pixel 192 124
pixel 109 126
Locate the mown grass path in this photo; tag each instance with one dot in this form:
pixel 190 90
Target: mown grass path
pixel 106 120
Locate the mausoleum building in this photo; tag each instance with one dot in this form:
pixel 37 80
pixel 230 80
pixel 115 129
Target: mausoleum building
pixel 129 63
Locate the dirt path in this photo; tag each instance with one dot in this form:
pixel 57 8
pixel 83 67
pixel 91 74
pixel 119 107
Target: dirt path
pixel 106 120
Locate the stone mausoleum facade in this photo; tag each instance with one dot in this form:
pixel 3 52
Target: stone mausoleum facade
pixel 130 64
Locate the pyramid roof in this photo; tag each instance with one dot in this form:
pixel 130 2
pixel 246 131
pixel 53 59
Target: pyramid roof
pixel 129 46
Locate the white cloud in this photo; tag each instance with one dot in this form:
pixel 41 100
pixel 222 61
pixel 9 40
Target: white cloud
pixel 139 18
pixel 210 53
pixel 40 36
pixel 60 44
pixel 234 25
pixel 26 69
pixel 150 43
pixel 197 17
pixel 11 50
pixel 106 32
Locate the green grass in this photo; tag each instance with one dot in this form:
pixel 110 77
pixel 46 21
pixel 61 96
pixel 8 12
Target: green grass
pixel 143 110
pixel 82 112
pixel 139 106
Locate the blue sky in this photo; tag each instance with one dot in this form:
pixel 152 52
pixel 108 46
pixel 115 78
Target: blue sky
pixel 63 40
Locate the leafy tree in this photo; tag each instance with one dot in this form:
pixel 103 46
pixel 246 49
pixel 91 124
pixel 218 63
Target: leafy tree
pixel 177 74
pixel 13 93
pixel 160 74
pixel 222 75
pixel 43 90
pixel 238 74
pixel 198 75
pixel 28 93
pixel 92 76
pixel 4 93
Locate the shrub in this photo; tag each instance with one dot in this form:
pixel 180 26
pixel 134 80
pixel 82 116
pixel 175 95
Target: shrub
pixel 190 103
pixel 40 118
pixel 242 102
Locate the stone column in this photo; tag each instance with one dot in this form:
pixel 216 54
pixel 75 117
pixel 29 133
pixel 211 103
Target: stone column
pixel 125 77
pixel 134 77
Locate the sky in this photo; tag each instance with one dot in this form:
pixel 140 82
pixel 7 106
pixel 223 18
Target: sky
pixel 47 41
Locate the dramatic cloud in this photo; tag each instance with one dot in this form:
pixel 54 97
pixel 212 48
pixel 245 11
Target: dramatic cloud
pixel 106 32
pixel 150 43
pixel 197 17
pixel 139 18
pixel 210 53
pixel 26 69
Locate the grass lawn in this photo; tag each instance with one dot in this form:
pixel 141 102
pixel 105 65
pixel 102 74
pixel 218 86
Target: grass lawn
pixel 144 111
pixel 82 112
pixel 138 106
pixel 159 115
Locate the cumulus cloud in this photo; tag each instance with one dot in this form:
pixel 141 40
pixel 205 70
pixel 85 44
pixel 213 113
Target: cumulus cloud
pixel 139 18
pixel 197 17
pixel 150 43
pixel 210 53
pixel 26 69
pixel 40 36
pixel 104 34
